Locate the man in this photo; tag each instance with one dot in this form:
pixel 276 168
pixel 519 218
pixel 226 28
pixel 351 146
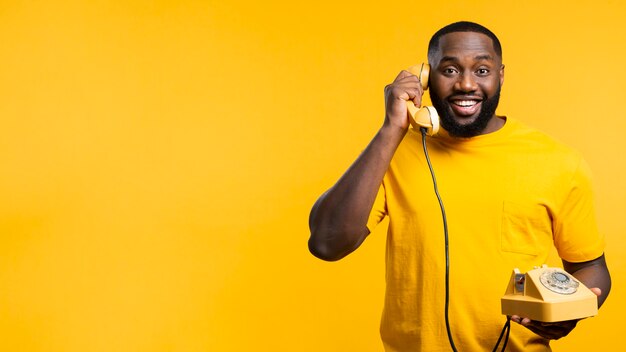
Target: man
pixel 510 195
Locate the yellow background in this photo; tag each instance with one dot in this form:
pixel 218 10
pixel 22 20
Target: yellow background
pixel 158 160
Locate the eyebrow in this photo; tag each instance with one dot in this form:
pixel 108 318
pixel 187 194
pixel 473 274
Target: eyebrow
pixel 477 57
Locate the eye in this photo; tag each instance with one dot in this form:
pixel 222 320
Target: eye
pixel 449 71
pixel 482 72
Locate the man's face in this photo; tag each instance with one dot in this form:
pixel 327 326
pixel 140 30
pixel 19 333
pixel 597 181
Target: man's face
pixel 465 83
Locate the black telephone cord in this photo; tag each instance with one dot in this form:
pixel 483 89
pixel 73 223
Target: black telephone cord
pixel 507 326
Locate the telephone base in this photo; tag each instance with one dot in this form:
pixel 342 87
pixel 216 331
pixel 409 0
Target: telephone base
pixel 548 295
pixel 549 312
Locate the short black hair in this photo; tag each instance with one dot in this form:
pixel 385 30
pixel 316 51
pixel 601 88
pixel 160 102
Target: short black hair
pixel 462 26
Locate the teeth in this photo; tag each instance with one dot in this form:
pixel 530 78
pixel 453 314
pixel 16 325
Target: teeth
pixel 466 103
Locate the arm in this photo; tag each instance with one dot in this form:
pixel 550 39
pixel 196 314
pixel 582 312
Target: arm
pixel 593 274
pixel 339 217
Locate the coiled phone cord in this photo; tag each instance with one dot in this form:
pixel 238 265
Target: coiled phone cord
pixel 507 326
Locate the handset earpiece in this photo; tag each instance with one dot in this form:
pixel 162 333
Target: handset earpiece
pixel 425 117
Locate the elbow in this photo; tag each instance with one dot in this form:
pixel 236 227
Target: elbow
pixel 323 250
pixel 331 247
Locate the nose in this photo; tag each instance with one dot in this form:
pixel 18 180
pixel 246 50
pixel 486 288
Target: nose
pixel 466 83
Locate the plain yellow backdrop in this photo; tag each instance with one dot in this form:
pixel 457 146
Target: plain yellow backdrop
pixel 158 160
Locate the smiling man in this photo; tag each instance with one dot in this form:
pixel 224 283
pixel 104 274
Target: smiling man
pixel 467 101
pixel 511 194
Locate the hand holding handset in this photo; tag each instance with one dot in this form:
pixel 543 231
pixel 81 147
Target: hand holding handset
pixel 426 116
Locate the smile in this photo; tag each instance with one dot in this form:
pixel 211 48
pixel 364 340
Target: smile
pixel 466 103
pixel 465 107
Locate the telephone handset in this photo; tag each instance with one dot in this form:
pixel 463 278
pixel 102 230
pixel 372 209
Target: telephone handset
pixel 548 295
pixel 426 116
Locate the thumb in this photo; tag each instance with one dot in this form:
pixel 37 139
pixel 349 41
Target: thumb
pixel 596 291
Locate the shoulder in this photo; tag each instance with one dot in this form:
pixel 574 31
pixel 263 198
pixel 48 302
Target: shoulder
pixel 538 142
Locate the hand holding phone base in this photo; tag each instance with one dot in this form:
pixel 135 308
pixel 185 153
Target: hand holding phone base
pixel 425 117
pixel 548 295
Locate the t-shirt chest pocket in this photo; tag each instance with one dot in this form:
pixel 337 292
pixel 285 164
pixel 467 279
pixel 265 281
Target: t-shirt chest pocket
pixel 526 228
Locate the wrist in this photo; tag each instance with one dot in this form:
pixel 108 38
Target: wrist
pixel 391 135
pixel 393 131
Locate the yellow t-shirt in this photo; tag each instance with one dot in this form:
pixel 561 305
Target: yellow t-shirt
pixel 509 197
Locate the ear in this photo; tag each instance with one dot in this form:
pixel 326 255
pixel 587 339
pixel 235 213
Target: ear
pixel 501 75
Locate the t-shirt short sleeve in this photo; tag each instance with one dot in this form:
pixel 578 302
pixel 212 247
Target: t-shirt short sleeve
pixel 576 234
pixel 378 210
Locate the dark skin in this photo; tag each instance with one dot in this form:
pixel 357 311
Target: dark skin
pixel 465 72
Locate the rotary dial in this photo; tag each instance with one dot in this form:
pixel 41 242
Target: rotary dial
pixel 559 281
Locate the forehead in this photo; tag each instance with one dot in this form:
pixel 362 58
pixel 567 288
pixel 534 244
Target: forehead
pixel 465 44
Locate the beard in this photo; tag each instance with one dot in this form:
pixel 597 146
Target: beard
pixel 472 129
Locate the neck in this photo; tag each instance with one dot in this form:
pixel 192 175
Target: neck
pixel 494 124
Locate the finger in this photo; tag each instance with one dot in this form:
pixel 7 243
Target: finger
pixel 569 324
pixel 597 291
pixel 403 74
pixel 548 334
pixel 415 94
pixel 553 332
pixel 407 79
pixel 406 91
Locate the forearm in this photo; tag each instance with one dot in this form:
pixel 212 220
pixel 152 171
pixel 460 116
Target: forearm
pixel 339 217
pixel 592 274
